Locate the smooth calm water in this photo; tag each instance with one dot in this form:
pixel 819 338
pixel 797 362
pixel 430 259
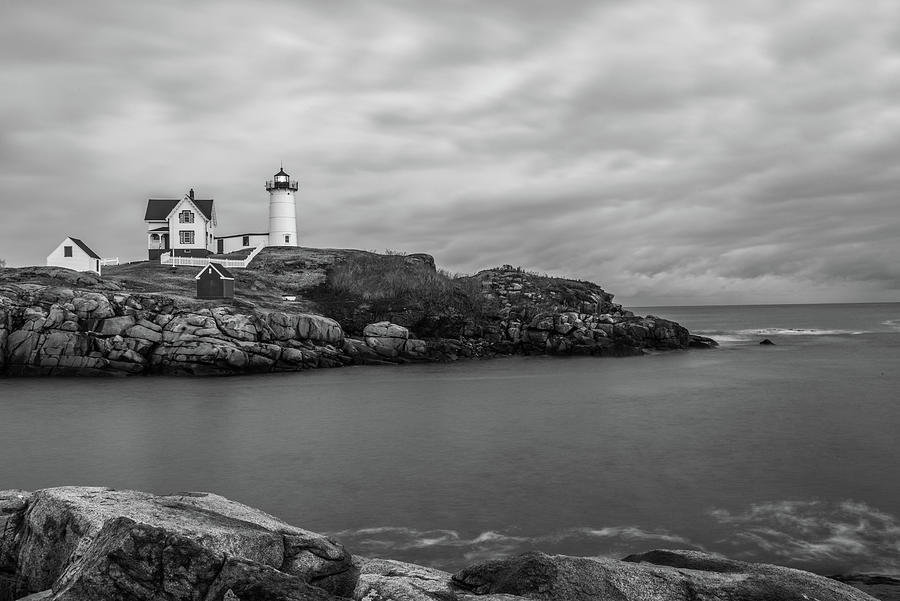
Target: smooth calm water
pixel 786 453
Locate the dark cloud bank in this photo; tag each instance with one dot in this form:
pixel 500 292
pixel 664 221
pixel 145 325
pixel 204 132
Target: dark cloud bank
pixel 677 153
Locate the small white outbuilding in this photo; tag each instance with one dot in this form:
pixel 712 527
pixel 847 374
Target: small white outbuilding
pixel 72 253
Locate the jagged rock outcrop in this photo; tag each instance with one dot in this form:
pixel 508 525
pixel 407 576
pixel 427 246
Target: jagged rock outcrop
pixel 539 314
pixel 389 580
pixel 96 543
pixel 518 290
pixel 80 544
pixel 51 329
pixel 47 330
pixel 392 340
pixel 702 342
pixel 421 259
pixel 657 575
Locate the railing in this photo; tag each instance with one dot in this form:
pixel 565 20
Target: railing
pixel 255 252
pixel 200 262
pixel 112 261
pixel 168 259
pixel 291 185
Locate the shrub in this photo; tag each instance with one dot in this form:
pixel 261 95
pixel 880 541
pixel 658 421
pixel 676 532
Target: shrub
pixel 393 279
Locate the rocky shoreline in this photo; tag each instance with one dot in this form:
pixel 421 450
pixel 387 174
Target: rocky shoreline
pixel 86 543
pixel 55 322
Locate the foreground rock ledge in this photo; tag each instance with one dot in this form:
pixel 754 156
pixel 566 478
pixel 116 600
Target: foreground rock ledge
pixel 80 544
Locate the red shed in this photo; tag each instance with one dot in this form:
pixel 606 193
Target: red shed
pixel 214 281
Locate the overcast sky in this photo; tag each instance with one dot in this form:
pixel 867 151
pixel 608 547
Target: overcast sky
pixel 676 152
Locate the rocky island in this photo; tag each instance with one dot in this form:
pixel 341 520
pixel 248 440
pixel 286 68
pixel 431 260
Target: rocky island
pixel 300 308
pixel 85 544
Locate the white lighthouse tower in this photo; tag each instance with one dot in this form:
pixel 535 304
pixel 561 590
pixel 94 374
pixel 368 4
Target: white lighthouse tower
pixel 282 210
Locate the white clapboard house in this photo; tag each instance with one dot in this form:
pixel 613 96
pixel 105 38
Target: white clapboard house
pixel 184 228
pixel 72 253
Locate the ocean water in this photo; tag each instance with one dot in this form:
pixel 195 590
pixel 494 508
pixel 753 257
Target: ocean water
pixel 785 453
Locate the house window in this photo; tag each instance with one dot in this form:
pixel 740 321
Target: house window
pixel 287 238
pixel 185 236
pixel 186 217
pixel 246 241
pixel 67 251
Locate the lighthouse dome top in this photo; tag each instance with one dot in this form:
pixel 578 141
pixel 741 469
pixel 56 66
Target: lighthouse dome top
pixel 282 181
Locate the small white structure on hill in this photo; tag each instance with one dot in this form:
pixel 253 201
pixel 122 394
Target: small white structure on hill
pixel 187 227
pixel 235 242
pixel 72 253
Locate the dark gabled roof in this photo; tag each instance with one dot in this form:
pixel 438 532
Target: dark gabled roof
pixel 84 247
pixel 205 206
pixel 159 208
pixel 223 273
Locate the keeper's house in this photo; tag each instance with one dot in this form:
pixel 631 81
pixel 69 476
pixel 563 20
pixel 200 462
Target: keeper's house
pixel 72 253
pixel 186 227
pixel 214 281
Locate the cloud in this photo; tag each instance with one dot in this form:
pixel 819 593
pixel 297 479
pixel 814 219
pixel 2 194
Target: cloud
pixel 693 152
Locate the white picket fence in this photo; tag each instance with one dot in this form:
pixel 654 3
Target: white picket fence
pixel 168 259
pixel 111 261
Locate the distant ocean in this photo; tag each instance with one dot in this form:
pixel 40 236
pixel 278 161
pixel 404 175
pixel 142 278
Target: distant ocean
pixel 785 453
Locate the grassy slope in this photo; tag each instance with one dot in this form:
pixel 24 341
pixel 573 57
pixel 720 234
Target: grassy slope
pixel 275 272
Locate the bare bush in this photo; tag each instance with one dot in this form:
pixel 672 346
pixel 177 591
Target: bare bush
pixel 392 278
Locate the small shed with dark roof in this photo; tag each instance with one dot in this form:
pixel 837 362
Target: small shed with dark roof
pixel 214 281
pixel 72 253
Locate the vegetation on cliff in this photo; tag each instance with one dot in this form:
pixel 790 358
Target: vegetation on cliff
pixel 404 289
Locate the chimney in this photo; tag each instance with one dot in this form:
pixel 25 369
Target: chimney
pixel 191 194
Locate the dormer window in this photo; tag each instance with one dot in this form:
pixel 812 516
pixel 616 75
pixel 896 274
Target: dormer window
pixel 186 217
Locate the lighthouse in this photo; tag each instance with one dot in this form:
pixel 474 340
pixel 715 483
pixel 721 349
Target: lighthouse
pixel 282 210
